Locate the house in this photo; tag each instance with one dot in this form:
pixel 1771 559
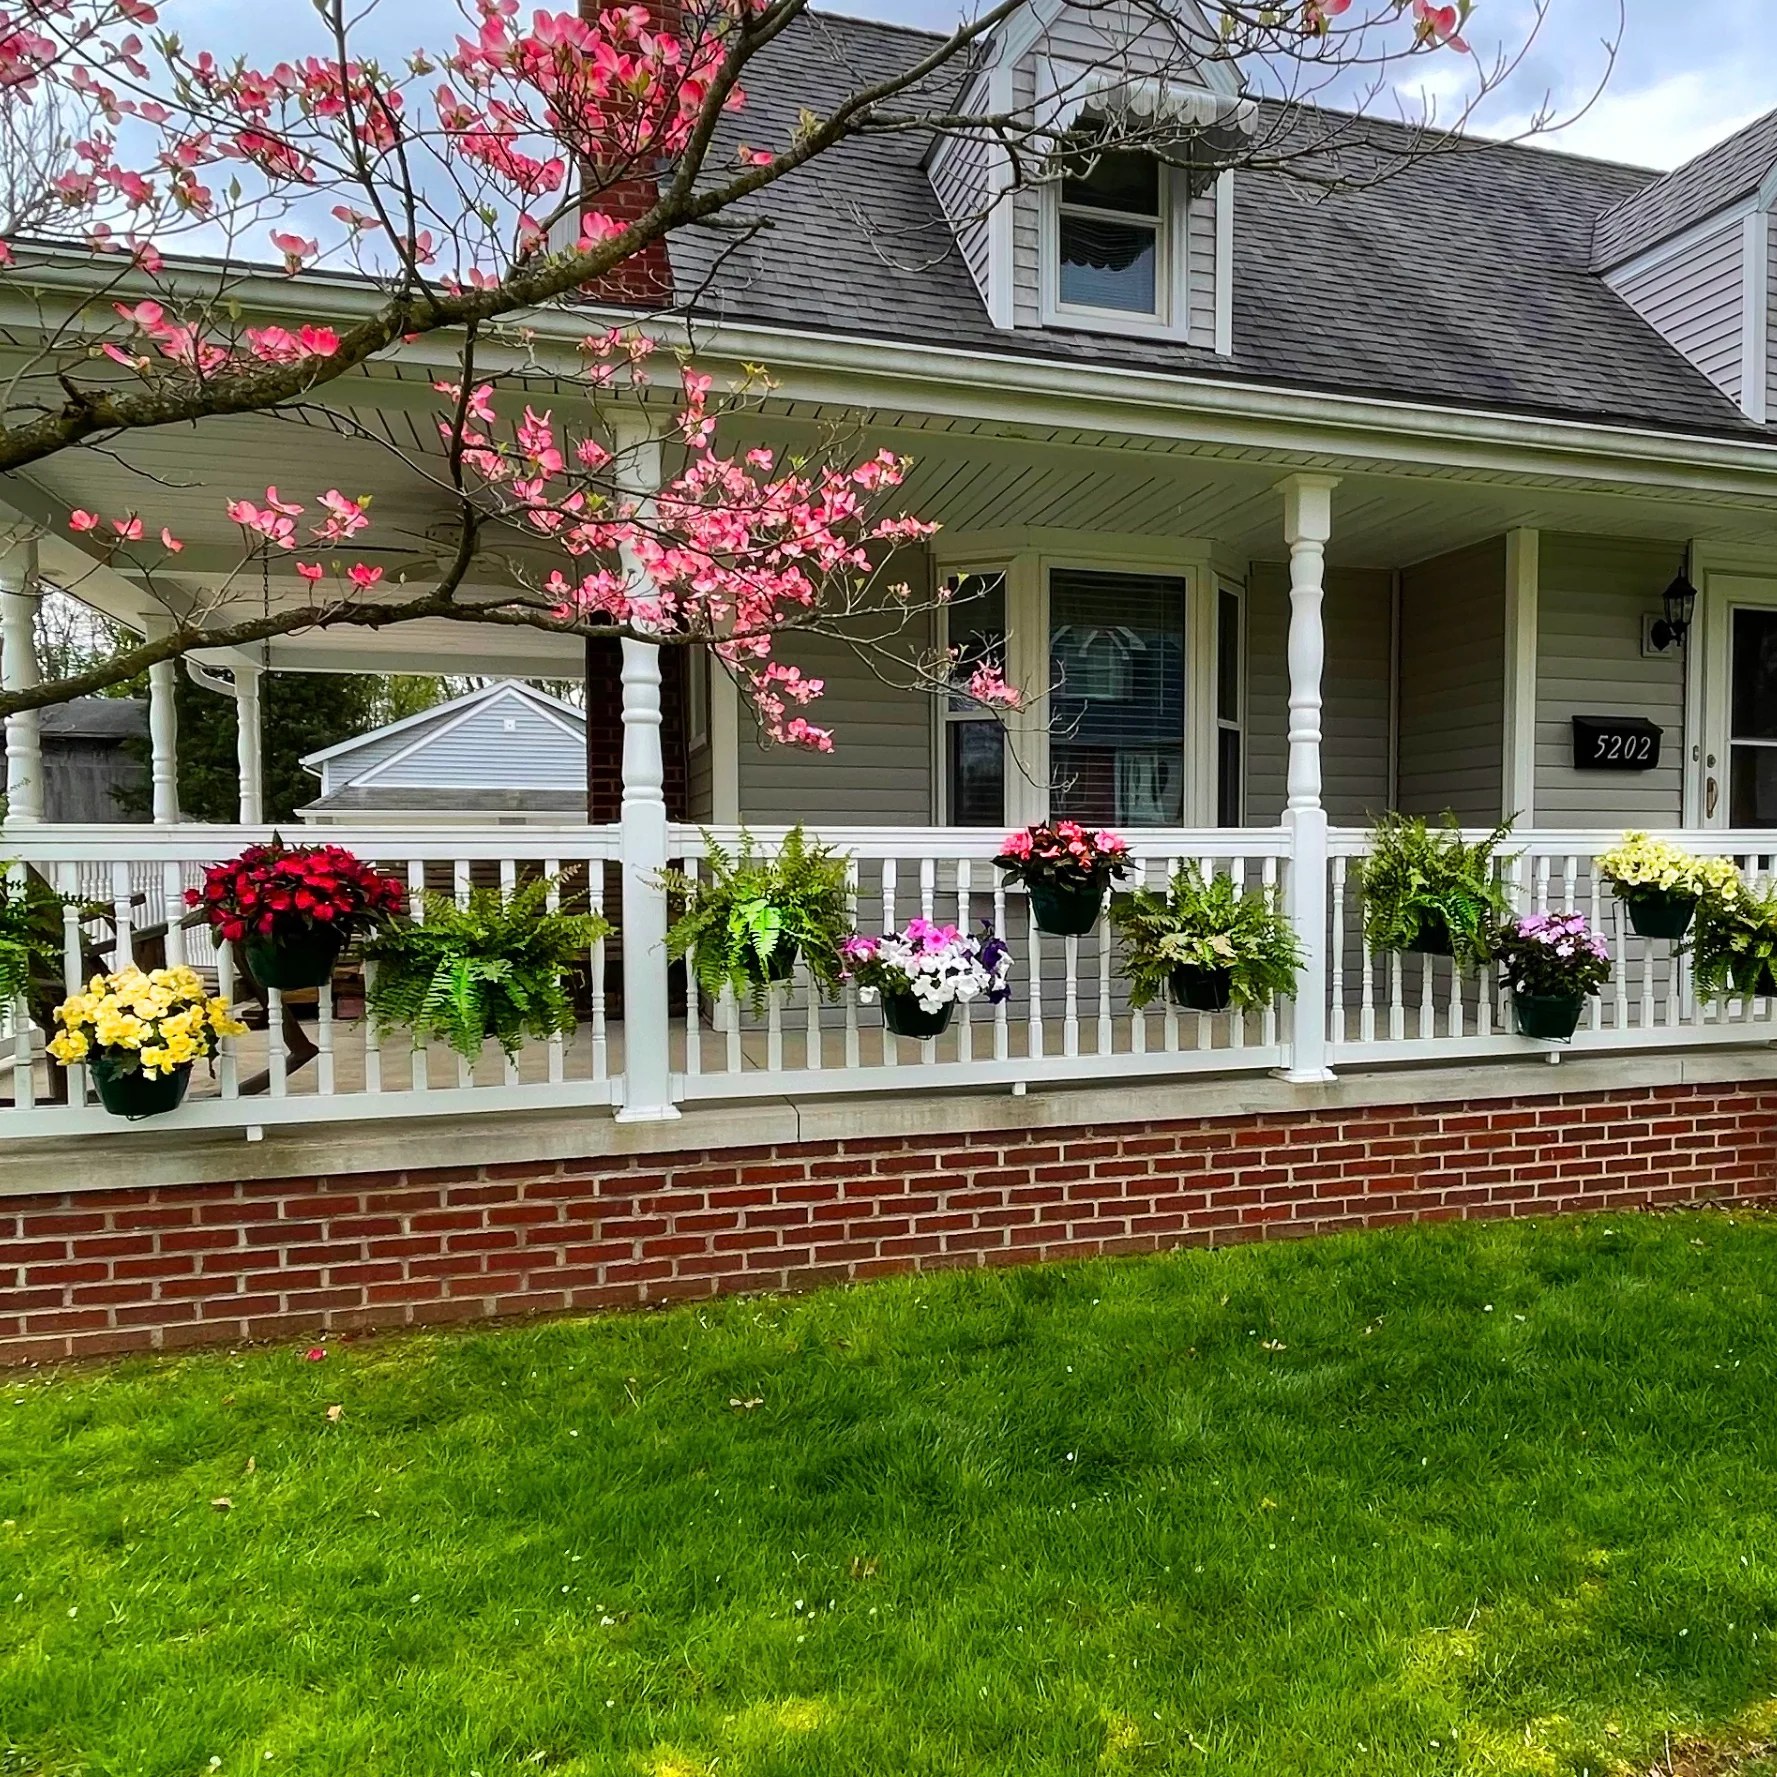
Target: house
pixel 501 756
pixel 1284 509
pixel 92 763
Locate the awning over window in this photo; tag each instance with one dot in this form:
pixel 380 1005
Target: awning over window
pixel 1159 111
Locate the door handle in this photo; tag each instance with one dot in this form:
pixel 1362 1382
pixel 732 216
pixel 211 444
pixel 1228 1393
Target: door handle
pixel 1711 791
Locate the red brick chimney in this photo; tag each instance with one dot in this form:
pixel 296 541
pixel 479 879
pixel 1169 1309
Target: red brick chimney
pixel 645 279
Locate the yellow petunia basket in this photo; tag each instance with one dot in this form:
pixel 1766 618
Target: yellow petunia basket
pixel 140 1034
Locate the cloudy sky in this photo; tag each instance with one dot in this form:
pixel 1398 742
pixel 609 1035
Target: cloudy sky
pixel 1687 72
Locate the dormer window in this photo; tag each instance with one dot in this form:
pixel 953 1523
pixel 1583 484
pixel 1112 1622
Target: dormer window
pixel 1110 237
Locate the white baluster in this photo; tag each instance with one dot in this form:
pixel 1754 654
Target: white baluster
pixel 123 952
pixel 1237 1017
pixel 557 1062
pixel 416 907
pixel 1070 1014
pixel 1340 1031
pixel 373 1044
pixel 1172 1023
pixel 1268 1018
pixel 509 886
pixel 228 1064
pixel 1002 1013
pixel 965 921
pixel 852 1052
pixel 1106 1030
pixel 67 881
pixel 889 924
pixel 601 1035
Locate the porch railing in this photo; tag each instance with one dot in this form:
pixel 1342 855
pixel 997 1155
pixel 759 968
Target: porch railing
pixel 1068 1018
pixel 308 1063
pixel 1392 1008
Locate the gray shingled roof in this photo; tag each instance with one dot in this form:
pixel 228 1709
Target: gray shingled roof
pixel 95 718
pixel 1466 278
pixel 1718 177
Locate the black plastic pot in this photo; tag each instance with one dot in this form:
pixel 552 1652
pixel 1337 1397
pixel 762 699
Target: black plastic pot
pixel 1433 938
pixel 779 967
pixel 1203 990
pixel 291 960
pixel 1659 913
pixel 906 1017
pixel 1550 1018
pixel 1066 909
pixel 134 1094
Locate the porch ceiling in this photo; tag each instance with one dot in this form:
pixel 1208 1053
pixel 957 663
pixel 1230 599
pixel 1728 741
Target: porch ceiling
pixel 972 474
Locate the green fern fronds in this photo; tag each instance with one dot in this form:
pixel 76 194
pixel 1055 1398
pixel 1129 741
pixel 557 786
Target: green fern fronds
pixel 497 966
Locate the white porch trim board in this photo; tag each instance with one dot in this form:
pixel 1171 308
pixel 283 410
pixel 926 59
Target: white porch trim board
pixel 1523 580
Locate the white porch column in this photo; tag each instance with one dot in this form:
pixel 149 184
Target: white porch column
pixel 647 1054
pixel 163 742
pixel 1307 524
pixel 19 592
pixel 248 745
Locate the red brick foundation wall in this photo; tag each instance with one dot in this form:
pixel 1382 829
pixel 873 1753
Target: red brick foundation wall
pixel 96 1272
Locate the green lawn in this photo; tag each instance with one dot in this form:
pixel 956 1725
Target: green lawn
pixel 1458 1499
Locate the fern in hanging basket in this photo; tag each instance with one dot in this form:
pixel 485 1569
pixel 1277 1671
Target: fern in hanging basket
pixel 757 912
pixel 496 966
pixel 1212 925
pixel 1427 888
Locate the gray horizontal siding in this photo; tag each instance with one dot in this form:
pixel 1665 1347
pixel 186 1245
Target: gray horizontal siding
pixel 880 769
pixel 1695 299
pixel 1453 685
pixel 1593 591
pixel 1354 715
pixel 1200 270
pixel 479 753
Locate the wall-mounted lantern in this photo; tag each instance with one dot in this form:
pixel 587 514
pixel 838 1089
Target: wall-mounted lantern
pixel 1679 600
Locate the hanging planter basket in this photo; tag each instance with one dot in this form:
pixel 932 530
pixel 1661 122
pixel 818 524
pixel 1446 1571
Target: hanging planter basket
pixel 135 1094
pixel 1433 937
pixel 1548 1018
pixel 1659 913
pixel 906 1017
pixel 1066 909
pixel 1203 990
pixel 293 960
pixel 779 967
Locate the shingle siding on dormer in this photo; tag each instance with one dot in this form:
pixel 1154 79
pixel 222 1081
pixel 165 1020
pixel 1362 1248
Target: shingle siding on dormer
pixel 1695 298
pixel 959 174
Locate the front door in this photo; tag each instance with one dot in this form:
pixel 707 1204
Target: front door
pixel 1738 776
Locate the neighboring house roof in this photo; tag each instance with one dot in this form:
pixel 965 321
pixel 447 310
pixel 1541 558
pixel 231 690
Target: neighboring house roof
pixel 374 799
pixel 1464 278
pixel 507 746
pixel 1714 180
pixel 114 719
pixel 443 715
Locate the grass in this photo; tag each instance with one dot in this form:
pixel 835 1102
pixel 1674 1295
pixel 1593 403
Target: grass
pixel 1459 1499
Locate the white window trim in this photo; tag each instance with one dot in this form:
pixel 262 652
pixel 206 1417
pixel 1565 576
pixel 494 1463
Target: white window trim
pixel 697 698
pixel 1237 722
pixel 1027 572
pixel 1171 267
pixel 946 717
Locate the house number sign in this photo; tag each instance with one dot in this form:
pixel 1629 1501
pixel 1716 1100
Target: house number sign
pixel 1615 743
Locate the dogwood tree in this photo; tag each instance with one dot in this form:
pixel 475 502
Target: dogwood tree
pixel 428 211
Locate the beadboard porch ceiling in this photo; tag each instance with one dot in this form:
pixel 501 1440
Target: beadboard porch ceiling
pixel 970 474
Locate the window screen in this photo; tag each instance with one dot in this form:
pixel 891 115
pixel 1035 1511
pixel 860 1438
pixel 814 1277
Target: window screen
pixel 1117 698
